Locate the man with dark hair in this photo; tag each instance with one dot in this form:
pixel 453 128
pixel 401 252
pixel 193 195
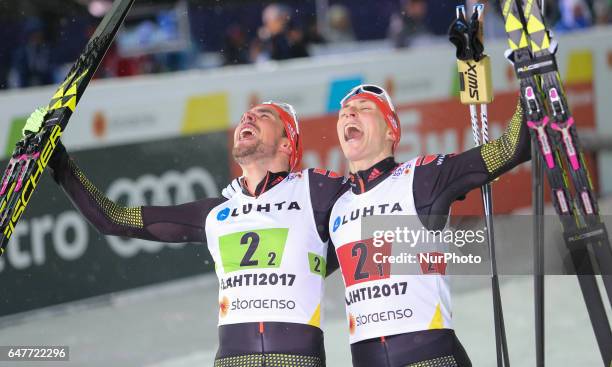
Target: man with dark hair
pixel 268 241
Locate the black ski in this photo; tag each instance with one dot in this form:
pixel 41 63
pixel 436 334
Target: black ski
pixel 32 153
pixel 553 132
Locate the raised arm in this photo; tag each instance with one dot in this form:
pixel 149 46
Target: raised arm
pixel 180 223
pixel 450 177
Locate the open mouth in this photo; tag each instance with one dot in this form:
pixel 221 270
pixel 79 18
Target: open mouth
pixel 352 132
pixel 248 132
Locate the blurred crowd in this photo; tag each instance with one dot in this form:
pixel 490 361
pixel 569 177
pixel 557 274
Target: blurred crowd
pixel 259 32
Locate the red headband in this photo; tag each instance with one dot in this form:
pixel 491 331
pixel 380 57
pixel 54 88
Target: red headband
pixel 390 117
pixel 292 133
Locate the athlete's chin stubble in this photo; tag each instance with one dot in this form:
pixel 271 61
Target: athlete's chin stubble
pixel 251 153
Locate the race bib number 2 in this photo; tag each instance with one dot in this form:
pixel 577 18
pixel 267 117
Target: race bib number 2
pixel 358 261
pixel 258 249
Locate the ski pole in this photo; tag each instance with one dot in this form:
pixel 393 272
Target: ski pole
pixel 476 89
pixel 537 181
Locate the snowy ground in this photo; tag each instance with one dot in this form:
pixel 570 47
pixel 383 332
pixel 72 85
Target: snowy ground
pixel 173 325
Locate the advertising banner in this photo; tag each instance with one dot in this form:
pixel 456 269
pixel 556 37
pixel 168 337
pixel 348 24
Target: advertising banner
pixel 55 256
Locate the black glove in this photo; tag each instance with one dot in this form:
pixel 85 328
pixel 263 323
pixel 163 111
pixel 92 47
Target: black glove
pixel 464 35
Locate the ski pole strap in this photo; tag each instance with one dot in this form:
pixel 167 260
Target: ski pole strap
pixel 458 35
pixel 474 66
pixel 537 66
pixel 467 35
pixel 475 33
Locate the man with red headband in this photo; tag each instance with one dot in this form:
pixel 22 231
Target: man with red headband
pixel 403 320
pixel 268 241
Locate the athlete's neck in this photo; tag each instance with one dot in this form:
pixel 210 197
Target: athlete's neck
pixel 366 179
pixel 254 173
pixel 367 163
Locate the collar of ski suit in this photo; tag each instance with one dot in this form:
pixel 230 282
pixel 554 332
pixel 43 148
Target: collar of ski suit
pixel 365 180
pixel 269 181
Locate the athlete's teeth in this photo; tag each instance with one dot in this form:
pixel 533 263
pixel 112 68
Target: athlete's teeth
pixel 246 132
